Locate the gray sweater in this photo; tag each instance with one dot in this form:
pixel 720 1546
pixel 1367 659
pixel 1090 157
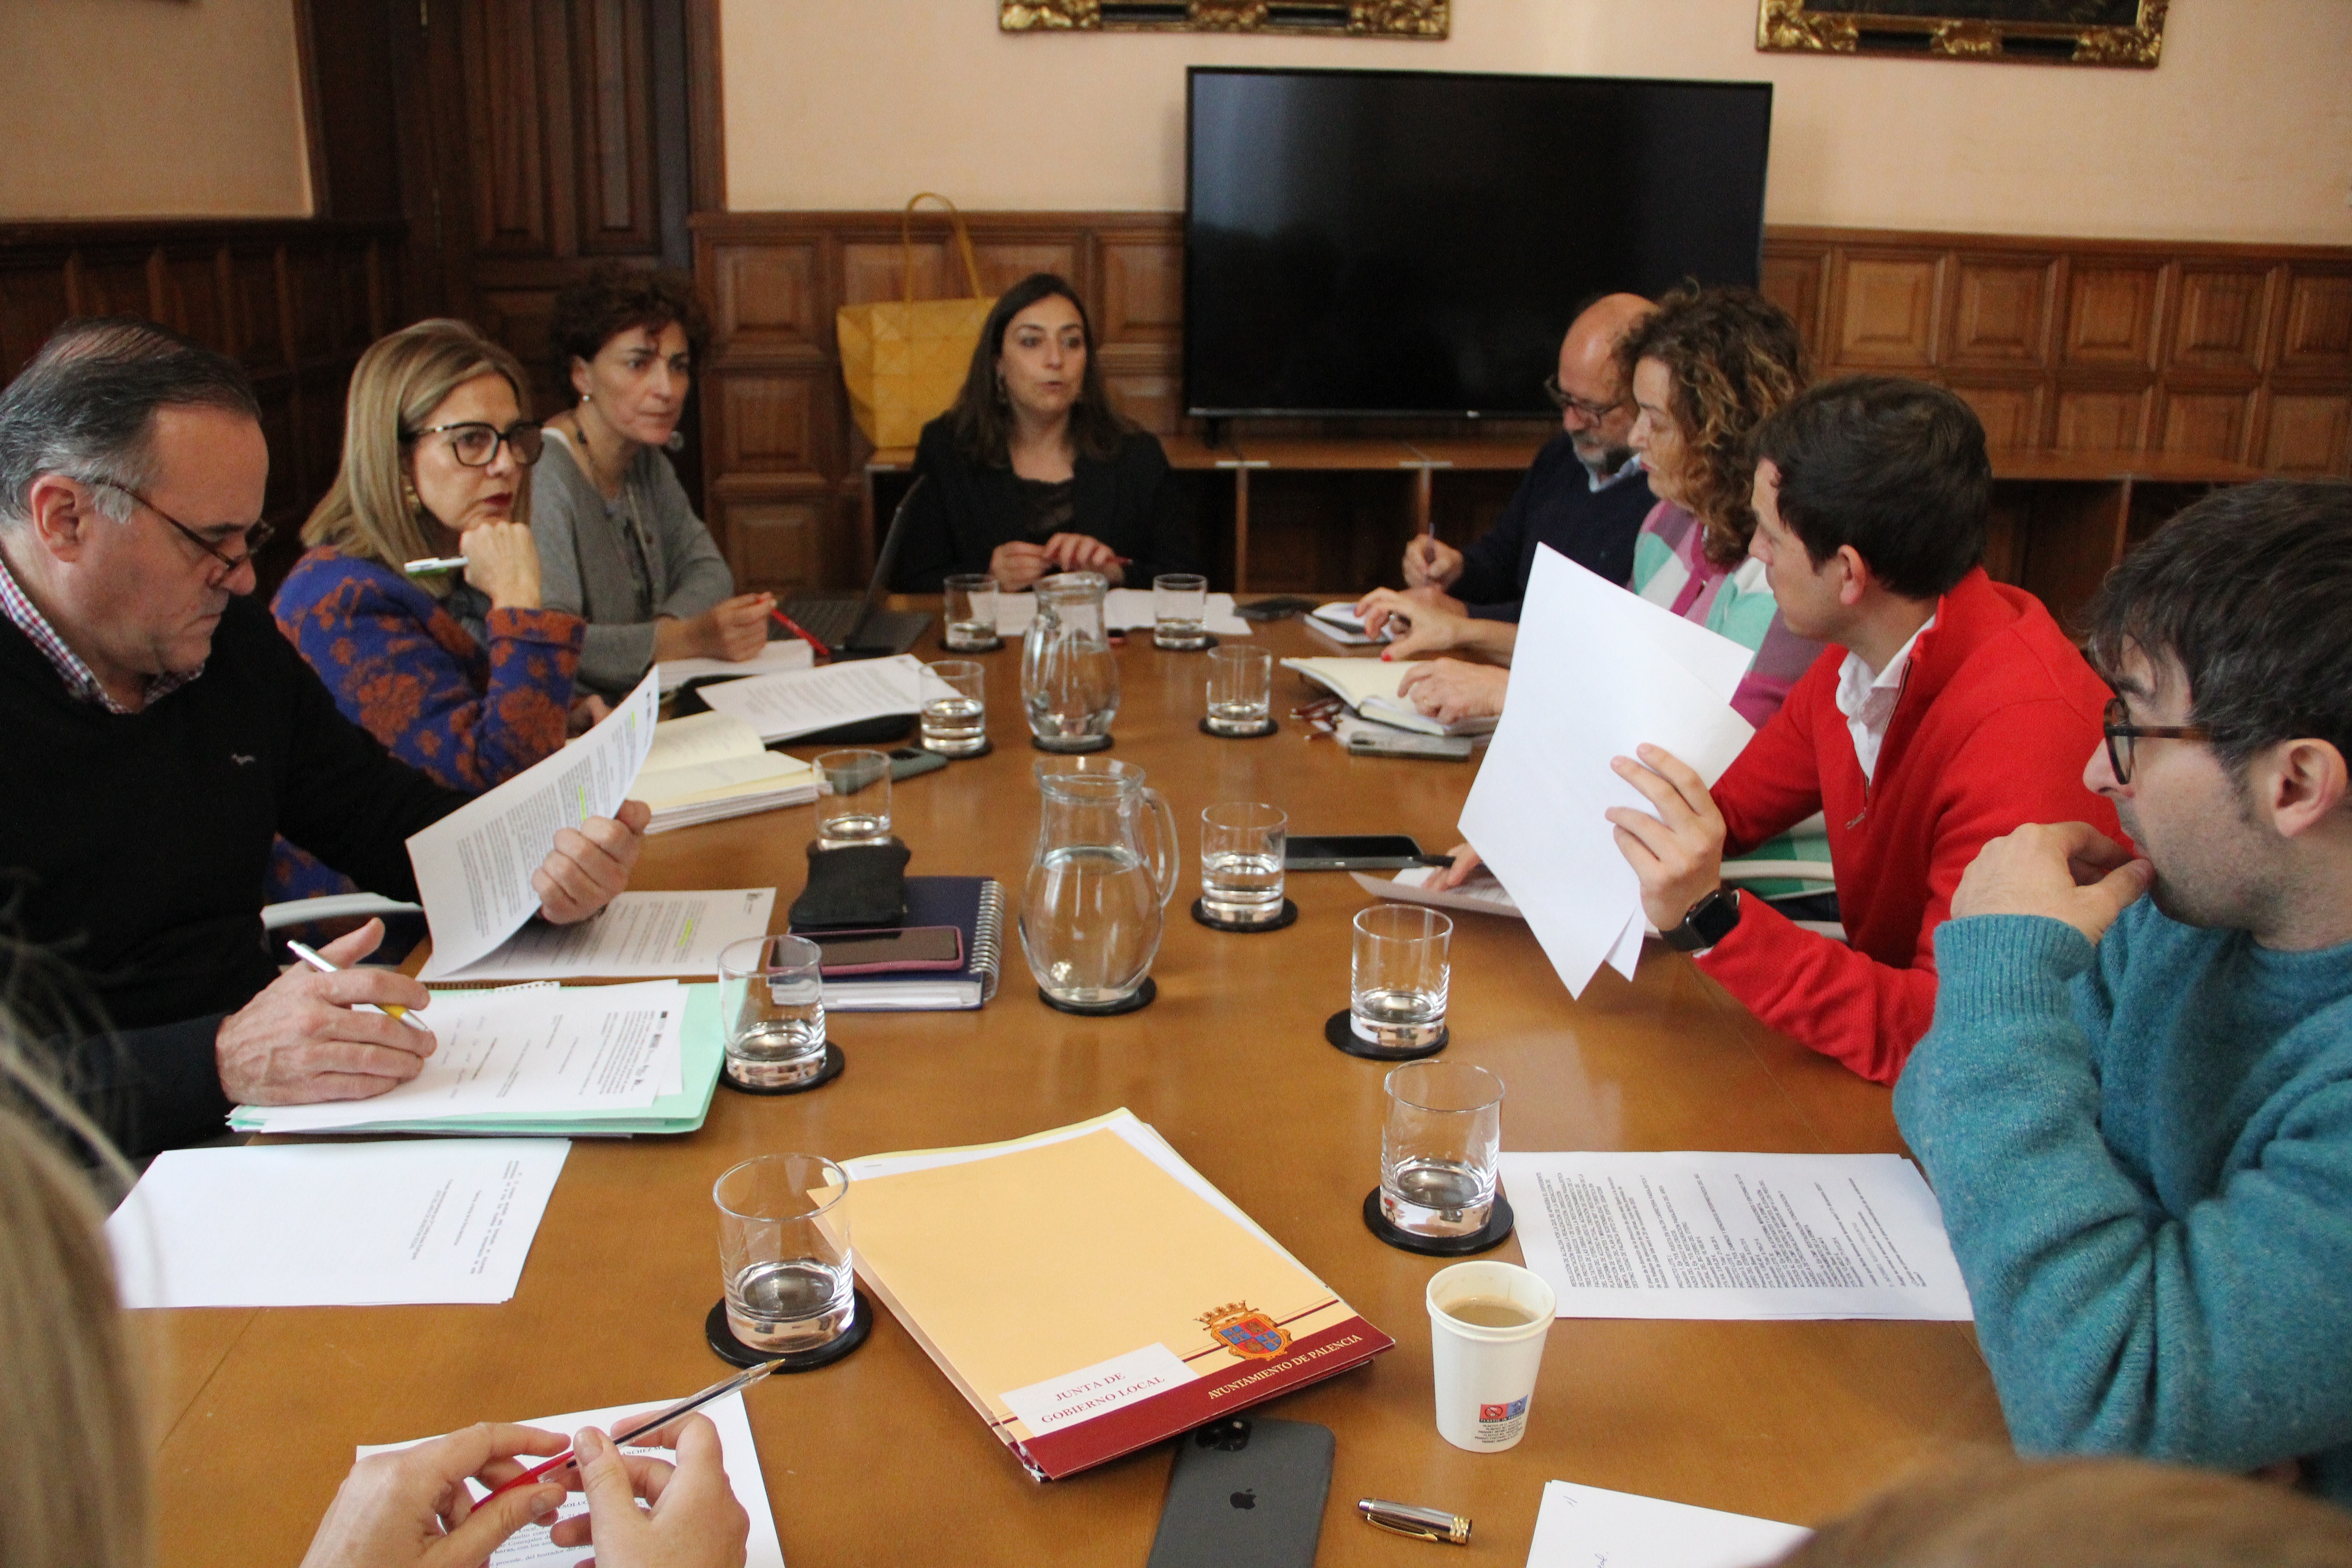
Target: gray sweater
pixel 620 564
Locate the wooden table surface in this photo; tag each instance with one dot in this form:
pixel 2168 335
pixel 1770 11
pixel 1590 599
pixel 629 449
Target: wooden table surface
pixel 877 1460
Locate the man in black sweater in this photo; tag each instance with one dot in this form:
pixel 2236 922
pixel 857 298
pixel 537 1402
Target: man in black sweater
pixel 161 732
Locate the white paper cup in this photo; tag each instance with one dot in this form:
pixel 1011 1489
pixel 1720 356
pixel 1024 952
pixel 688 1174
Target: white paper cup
pixel 1485 1376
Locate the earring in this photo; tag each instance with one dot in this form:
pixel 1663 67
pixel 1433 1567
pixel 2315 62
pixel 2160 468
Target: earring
pixel 1001 396
pixel 587 398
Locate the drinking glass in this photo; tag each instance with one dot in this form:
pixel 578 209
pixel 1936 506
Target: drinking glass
pixel 783 1252
pixel 955 721
pixel 1396 985
pixel 853 805
pixel 1240 861
pixel 1440 1146
pixel 1179 610
pixel 771 1007
pixel 1241 690
pixel 970 614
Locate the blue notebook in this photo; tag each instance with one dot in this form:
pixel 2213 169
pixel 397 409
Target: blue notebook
pixel 973 905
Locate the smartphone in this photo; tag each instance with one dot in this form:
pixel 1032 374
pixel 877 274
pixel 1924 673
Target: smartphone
pixel 1354 852
pixel 908 761
pixel 882 951
pixel 1245 1492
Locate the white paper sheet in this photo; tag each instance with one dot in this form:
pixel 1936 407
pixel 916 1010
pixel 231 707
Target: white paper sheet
pixel 473 865
pixel 332 1225
pixel 638 934
pixel 529 1546
pixel 802 703
pixel 1597 673
pixel 1481 895
pixel 1124 610
pixel 1588 1527
pixel 783 654
pixel 535 1050
pixel 1735 1235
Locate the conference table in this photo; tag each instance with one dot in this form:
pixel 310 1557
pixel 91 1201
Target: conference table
pixel 877 1459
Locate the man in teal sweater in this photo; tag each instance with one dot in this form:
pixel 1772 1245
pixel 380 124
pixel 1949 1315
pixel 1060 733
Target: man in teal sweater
pixel 2137 1111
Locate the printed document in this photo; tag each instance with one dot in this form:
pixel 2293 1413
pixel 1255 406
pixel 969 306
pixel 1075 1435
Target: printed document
pixel 638 934
pixel 473 865
pixel 1124 610
pixel 802 703
pixel 334 1224
pixel 1735 1235
pixel 1588 1527
pixel 1598 673
pixel 530 1547
pixel 531 1050
pixel 779 655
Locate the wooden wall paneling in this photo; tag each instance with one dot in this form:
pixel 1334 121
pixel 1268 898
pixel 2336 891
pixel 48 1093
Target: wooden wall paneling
pixel 1793 278
pixel 506 109
pixel 113 281
pixel 33 301
pixel 2102 420
pixel 195 293
pixel 257 313
pixel 2206 424
pixel 2015 408
pixel 2000 310
pixel 2075 534
pixel 1003 263
pixel 2308 434
pixel 1142 290
pixel 2318 336
pixel 1882 308
pixel 611 49
pixel 776 534
pixel 2113 308
pixel 2223 320
pixel 763 297
pixel 765 423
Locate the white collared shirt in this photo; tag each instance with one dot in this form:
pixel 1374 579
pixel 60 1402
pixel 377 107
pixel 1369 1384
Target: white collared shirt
pixel 1868 701
pixel 1596 481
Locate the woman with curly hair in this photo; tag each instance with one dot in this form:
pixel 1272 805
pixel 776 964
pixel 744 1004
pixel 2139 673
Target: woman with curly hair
pixel 619 544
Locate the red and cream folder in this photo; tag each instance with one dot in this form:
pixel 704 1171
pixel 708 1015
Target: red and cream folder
pixel 1089 1292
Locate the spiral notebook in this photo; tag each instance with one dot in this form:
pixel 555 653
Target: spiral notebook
pixel 973 905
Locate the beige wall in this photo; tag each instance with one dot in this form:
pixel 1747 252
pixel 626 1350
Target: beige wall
pixel 151 108
pixel 2244 132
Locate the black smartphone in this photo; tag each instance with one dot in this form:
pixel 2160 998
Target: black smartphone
pixel 908 761
pixel 1354 852
pixel 876 951
pixel 1245 1492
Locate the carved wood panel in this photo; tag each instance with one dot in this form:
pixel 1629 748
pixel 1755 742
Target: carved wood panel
pixel 2101 421
pixel 2002 309
pixel 2318 324
pixel 1884 308
pixel 2309 435
pixel 2011 414
pixel 2223 317
pixel 1002 265
pixel 33 301
pixel 2207 424
pixel 763 297
pixel 1794 280
pixel 1143 291
pixel 615 146
pixel 2111 313
pixel 775 543
pixel 764 424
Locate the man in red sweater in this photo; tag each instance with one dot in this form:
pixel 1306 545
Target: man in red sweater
pixel 1951 711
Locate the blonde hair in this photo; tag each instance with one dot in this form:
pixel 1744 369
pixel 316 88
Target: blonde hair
pixel 372 513
pixel 67 1383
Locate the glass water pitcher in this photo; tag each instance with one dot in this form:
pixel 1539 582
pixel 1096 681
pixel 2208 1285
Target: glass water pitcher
pixel 1104 868
pixel 1069 677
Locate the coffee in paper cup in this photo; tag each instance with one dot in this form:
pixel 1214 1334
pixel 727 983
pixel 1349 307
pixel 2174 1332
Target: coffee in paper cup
pixel 1486 1328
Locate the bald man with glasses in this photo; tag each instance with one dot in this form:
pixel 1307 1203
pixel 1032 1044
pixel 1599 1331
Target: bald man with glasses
pixel 161 732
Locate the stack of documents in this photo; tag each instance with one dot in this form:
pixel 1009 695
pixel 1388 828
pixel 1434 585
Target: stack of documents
pixel 1124 610
pixel 1735 1235
pixel 1481 895
pixel 639 936
pixel 1340 623
pixel 541 1060
pixel 1146 1302
pixel 1368 686
pixel 781 654
pixel 715 765
pixel 1582 1525
pixel 1598 673
pixel 802 703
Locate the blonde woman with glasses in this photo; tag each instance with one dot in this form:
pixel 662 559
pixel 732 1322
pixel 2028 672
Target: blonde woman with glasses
pixel 464 674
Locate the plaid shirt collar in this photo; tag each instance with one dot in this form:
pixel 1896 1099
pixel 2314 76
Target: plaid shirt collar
pixel 79 678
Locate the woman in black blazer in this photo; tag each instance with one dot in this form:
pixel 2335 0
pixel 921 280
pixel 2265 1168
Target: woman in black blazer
pixel 1031 472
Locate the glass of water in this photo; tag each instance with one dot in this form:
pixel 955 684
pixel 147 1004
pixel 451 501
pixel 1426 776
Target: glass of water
pixel 970 614
pixel 1179 611
pixel 1241 690
pixel 1440 1147
pixel 1241 862
pixel 783 1252
pixel 853 802
pixel 955 719
pixel 1396 985
pixel 772 1006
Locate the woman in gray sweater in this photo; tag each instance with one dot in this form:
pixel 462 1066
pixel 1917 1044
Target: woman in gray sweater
pixel 619 544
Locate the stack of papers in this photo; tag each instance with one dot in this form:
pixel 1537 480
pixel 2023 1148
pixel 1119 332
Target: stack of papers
pixel 802 702
pixel 1580 1527
pixel 715 765
pixel 1598 672
pixel 1481 895
pixel 1735 1235
pixel 638 936
pixel 333 1225
pixel 1124 610
pixel 783 654
pixel 541 1060
pixel 1340 623
pixel 1368 686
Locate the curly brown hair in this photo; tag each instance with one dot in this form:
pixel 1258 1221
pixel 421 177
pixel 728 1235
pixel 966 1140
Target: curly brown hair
pixel 611 297
pixel 1736 357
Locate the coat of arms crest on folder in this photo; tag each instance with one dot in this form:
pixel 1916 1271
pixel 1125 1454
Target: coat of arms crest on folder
pixel 1246 1331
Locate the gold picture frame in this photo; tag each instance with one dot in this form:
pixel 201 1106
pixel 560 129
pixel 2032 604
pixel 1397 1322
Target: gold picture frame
pixel 1429 19
pixel 2049 32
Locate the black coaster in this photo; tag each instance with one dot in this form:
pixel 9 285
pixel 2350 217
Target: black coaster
pixel 833 1062
pixel 991 645
pixel 1499 1221
pixel 1145 995
pixel 1336 1030
pixel 735 1353
pixel 1086 751
pixel 1203 645
pixel 1271 727
pixel 985 747
pixel 1290 915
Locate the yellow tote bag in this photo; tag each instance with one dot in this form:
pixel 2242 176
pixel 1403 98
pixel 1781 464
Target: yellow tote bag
pixel 904 360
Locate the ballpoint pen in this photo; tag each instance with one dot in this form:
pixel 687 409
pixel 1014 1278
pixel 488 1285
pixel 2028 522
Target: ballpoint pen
pixel 434 563
pixel 390 1010
pixel 719 1390
pixel 1421 1523
pixel 799 631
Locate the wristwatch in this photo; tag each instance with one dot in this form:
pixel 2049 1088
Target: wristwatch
pixel 1709 921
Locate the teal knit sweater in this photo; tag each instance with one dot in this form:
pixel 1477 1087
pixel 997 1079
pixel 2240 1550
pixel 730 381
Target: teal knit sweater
pixel 2144 1155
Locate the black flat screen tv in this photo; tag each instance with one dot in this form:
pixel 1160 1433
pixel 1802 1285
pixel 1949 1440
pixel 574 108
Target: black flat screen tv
pixel 1412 243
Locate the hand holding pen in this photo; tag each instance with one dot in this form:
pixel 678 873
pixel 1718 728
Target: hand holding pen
pixel 313 1036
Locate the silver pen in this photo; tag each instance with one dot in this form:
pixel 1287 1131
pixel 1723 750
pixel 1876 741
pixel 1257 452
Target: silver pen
pixel 311 957
pixel 434 563
pixel 1421 1523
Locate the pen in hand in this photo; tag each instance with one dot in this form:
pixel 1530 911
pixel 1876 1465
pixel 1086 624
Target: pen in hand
pixel 310 956
pixel 434 563
pixel 719 1390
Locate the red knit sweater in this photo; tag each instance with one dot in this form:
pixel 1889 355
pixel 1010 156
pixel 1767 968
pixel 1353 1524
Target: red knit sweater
pixel 1997 715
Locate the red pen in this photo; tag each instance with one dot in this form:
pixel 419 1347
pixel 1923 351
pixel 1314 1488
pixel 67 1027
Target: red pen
pixel 793 626
pixel 719 1390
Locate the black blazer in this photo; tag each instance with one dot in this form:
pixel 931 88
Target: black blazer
pixel 966 510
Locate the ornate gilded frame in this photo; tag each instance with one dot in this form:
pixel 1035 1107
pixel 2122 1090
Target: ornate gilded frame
pixel 2035 30
pixel 1360 19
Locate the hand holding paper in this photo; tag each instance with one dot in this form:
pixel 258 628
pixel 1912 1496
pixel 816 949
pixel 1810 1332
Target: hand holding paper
pixel 1678 852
